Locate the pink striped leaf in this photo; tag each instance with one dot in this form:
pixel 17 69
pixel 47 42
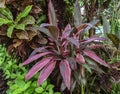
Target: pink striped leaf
pixel 94 39
pixel 65 72
pixel 80 59
pixel 93 56
pixel 35 57
pixel 38 66
pixel 46 72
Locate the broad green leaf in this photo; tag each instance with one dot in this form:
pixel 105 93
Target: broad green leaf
pixel 4 21
pixel 50 86
pixel 51 91
pixel 44 84
pixel 17 91
pixel 27 85
pixel 7 13
pixel 20 83
pixel 28 20
pixel 20 26
pixel 24 13
pixel 10 30
pixel 14 86
pixel 39 90
pixel 114 39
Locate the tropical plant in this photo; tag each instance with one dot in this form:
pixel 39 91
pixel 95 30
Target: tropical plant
pixel 15 76
pixel 20 22
pixel 70 50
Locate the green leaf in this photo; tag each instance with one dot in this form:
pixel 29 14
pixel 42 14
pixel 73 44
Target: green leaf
pixel 20 83
pixel 20 26
pixel 49 86
pixel 41 19
pixel 17 91
pixel 4 21
pixel 7 13
pixel 87 67
pixel 39 90
pixel 10 30
pixel 24 13
pixel 115 40
pixel 28 20
pixel 51 91
pixel 14 86
pixel 44 84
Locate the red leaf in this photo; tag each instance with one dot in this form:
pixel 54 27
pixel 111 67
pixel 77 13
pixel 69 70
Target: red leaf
pixel 38 66
pixel 46 72
pixel 51 14
pixel 80 59
pixel 65 72
pixel 93 56
pixel 35 57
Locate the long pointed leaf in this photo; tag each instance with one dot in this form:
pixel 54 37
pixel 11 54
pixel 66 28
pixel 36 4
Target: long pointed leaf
pixel 65 72
pixel 93 56
pixel 94 39
pixel 38 66
pixel 51 14
pixel 46 72
pixel 38 50
pixel 35 57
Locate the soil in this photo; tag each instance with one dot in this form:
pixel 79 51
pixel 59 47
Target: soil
pixel 3 83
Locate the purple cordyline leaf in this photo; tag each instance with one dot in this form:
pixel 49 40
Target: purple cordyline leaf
pixel 93 56
pixel 80 59
pixel 66 31
pixel 46 72
pixel 73 41
pixel 65 72
pixel 72 62
pixel 51 14
pixel 51 31
pixel 38 50
pixel 38 66
pixel 94 39
pixel 35 57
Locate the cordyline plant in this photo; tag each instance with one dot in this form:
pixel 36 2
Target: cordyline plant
pixel 69 49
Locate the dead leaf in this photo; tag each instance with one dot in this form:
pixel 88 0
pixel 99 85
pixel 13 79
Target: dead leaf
pixel 17 42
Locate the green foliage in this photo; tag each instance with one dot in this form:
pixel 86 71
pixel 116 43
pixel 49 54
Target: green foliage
pixel 115 89
pixel 23 19
pixel 15 75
